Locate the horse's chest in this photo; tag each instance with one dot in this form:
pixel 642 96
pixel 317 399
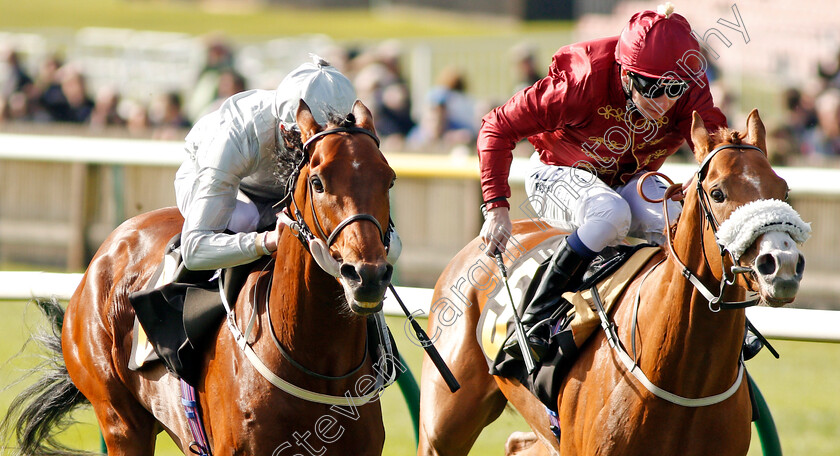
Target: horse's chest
pixel 294 426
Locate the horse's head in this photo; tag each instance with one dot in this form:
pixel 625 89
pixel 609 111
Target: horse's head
pixel 345 186
pixel 739 190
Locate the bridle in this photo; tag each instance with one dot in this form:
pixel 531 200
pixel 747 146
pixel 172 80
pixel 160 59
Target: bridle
pixel 311 242
pixel 676 192
pixel 293 217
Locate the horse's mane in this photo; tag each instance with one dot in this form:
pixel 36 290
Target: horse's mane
pixel 289 151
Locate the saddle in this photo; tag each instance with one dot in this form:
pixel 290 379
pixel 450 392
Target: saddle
pixel 179 310
pixel 572 323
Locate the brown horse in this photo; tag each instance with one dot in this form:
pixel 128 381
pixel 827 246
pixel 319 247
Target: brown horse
pixel 320 320
pixel 684 344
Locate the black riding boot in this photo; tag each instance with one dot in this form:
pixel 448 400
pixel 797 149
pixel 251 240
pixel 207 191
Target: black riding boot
pixel 565 266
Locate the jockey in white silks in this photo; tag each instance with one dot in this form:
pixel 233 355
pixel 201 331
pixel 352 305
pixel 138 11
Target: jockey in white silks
pixel 227 186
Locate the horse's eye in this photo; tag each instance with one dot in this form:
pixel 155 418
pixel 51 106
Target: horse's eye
pixel 317 185
pixel 717 195
pixel 787 195
pixel 393 181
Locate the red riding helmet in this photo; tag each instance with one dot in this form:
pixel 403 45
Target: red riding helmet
pixel 654 43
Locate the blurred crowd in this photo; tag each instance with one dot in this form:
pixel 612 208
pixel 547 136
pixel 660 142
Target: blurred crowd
pixel 58 92
pixel 809 132
pixel 445 119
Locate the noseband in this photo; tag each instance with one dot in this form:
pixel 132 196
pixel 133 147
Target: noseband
pixel 293 217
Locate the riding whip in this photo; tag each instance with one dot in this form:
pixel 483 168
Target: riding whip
pixel 427 345
pixel 519 330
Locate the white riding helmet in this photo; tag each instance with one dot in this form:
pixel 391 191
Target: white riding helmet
pixel 320 85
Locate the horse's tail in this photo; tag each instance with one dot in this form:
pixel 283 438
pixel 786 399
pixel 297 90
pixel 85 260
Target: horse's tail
pixel 42 410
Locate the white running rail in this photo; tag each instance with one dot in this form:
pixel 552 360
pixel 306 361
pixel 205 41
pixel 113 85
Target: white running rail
pixel 782 323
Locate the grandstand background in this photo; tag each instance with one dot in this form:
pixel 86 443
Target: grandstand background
pixel 772 45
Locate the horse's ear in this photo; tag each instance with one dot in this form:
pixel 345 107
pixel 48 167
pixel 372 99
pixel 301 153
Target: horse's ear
pixel 364 118
pixel 700 137
pixel 306 122
pixel 756 133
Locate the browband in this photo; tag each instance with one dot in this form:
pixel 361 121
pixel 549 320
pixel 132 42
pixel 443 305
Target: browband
pixel 320 135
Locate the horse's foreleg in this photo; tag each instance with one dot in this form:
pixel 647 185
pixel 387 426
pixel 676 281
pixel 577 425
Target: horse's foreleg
pixel 525 444
pixel 450 423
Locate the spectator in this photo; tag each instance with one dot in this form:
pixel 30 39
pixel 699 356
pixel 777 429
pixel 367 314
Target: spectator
pixel 136 118
pixel 393 118
pixel 449 119
pixel 524 60
pixel 823 140
pixel 797 118
pixel 68 102
pixel 219 57
pixel 105 113
pixel 46 88
pixel 16 87
pixel 167 117
pixel 829 73
pixel 383 90
pixel 13 77
pixel 230 83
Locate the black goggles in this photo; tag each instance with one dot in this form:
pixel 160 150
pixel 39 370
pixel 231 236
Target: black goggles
pixel 655 88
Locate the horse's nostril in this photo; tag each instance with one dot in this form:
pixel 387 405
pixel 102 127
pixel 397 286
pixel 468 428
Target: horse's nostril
pixel 800 265
pixel 766 264
pixel 348 272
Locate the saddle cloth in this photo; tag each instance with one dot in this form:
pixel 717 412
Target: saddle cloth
pixel 610 273
pixel 177 310
pixel 142 351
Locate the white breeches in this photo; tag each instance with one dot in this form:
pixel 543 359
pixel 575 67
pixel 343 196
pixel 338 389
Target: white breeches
pixel 575 199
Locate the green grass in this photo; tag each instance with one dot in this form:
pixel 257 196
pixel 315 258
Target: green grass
pixel 248 20
pixel 22 318
pixel 801 390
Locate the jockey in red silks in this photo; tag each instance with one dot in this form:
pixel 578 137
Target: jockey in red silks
pixel 608 111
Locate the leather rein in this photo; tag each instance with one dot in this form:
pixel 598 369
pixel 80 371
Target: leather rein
pixel 676 193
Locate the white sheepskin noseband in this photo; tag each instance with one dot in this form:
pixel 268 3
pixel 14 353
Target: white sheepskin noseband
pixel 751 220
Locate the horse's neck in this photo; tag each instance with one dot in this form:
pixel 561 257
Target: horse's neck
pixel 685 333
pixel 309 315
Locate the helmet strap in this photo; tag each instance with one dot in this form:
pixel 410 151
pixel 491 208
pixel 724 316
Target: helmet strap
pixel 627 88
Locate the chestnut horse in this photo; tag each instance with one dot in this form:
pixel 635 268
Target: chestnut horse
pixel 684 344
pixel 341 188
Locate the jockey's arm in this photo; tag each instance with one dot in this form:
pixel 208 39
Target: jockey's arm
pixel 204 244
pixel 533 110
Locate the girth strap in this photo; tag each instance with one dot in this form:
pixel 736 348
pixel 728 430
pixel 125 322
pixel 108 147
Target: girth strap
pixel 199 444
